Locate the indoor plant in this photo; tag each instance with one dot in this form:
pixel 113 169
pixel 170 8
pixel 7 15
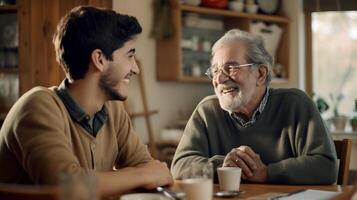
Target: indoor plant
pixel 321 104
pixel 354 123
pixel 338 120
pixel 354 118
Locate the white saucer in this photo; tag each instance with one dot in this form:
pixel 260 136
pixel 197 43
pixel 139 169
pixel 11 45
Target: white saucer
pixel 143 196
pixel 227 193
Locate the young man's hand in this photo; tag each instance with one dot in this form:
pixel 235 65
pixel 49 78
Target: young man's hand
pixel 156 174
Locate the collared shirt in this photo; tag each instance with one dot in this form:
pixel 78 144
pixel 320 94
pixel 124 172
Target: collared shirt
pixel 91 125
pixel 244 123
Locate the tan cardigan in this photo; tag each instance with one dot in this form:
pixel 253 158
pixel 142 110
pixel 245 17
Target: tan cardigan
pixel 39 141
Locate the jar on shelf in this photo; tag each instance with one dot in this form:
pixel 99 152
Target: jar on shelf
pixel 196 70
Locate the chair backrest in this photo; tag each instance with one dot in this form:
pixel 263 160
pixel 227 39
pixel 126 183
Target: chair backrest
pixel 343 151
pixel 28 192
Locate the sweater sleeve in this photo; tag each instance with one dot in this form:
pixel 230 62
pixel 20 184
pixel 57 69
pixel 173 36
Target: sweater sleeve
pixel 39 141
pixel 132 151
pixel 315 161
pixel 194 147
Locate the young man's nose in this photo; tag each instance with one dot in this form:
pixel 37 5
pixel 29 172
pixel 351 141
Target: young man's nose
pixel 135 68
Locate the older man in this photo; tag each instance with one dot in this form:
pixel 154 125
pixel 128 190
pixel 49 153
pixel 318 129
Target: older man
pixel 274 135
pixel 80 126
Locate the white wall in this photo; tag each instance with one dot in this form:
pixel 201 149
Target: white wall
pixel 175 100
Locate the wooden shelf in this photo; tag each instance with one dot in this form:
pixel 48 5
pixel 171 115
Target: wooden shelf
pixel 228 13
pixel 8 8
pixel 173 66
pixel 12 70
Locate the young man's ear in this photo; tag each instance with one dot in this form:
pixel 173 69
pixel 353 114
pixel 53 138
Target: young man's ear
pixel 98 59
pixel 262 74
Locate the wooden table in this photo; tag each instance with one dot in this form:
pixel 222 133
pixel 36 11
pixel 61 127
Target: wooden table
pixel 263 191
pixel 255 191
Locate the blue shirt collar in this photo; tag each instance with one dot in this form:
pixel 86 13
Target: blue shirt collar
pixel 242 122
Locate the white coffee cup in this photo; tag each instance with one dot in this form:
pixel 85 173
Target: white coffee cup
pixel 197 188
pixel 78 186
pixel 229 178
pixel 197 182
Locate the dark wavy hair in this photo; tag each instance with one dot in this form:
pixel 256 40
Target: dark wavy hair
pixel 85 29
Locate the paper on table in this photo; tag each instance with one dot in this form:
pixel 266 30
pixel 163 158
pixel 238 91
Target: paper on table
pixel 265 196
pixel 309 194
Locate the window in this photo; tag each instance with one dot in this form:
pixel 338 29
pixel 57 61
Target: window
pixel 334 58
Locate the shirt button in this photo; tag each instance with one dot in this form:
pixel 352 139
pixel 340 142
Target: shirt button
pixel 87 117
pixel 92 146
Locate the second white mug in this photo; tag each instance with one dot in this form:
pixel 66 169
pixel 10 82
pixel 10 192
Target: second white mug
pixel 229 178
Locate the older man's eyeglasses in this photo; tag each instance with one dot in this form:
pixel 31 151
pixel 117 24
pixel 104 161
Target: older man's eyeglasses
pixel 227 69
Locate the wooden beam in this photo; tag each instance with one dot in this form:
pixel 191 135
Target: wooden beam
pixel 308 55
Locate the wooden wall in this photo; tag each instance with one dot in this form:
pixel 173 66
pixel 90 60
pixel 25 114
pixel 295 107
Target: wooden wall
pixel 37 23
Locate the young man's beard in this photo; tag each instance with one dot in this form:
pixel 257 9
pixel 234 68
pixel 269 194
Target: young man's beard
pixel 107 84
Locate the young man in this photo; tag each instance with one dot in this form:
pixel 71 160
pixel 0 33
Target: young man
pixel 274 135
pixel 81 126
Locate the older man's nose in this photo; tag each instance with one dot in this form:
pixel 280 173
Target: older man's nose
pixel 222 76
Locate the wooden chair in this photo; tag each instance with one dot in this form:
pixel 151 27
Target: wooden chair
pixel 28 192
pixel 343 151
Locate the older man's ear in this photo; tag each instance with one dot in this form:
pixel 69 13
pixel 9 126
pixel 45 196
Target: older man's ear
pixel 262 74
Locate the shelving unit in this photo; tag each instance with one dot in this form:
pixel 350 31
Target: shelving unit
pixel 35 61
pixel 8 8
pixel 171 56
pixel 9 70
pixel 9 77
pixel 229 13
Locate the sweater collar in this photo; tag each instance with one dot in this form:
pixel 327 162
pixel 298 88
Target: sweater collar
pixel 92 125
pixel 244 123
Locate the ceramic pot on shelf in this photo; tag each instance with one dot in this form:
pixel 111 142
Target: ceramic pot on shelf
pixel 236 6
pixel 215 3
pixel 339 122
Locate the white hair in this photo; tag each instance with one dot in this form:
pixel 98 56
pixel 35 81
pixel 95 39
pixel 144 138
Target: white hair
pixel 256 53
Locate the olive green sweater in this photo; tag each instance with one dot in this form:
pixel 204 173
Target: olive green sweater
pixel 39 141
pixel 289 135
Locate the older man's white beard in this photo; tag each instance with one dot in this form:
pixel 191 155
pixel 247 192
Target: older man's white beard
pixel 227 102
pixel 230 104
